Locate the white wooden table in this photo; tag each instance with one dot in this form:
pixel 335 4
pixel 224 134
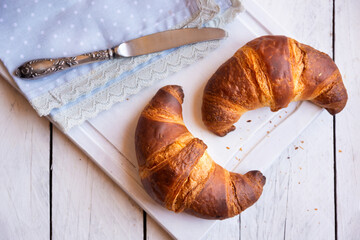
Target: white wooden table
pixel 51 190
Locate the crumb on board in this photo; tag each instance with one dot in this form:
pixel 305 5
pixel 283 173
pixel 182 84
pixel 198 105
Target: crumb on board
pixel 240 149
pixel 302 141
pixel 301 147
pixel 227 148
pixel 279 116
pixel 340 150
pixel 288 157
pixel 248 121
pixel 270 121
pixel 300 168
pixel 275 125
pixel 296 148
pixel 298 182
pixel 315 209
pixel 267 132
pixel 127 99
pixel 285 111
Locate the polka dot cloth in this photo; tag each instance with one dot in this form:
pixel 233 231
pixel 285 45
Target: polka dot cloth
pixel 32 29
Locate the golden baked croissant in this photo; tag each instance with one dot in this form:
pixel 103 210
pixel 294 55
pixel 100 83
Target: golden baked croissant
pixel 270 71
pixel 176 170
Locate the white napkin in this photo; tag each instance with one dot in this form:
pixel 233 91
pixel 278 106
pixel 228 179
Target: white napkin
pixel 49 29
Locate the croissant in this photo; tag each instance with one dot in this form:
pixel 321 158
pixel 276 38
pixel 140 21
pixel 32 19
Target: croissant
pixel 176 170
pixel 270 71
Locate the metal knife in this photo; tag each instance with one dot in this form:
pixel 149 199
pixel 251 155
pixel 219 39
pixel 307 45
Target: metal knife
pixel 144 45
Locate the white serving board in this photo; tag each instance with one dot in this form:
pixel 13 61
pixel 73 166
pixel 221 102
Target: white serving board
pixel 109 138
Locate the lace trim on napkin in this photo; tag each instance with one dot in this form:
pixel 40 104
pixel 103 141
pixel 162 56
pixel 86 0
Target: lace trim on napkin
pixel 118 92
pixel 75 114
pixel 96 78
pixel 77 87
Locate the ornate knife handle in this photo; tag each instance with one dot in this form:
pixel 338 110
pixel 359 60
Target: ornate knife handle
pixel 43 67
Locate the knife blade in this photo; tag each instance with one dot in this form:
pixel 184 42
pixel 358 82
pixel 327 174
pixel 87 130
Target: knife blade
pixel 140 46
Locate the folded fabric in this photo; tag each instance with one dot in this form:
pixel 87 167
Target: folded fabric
pixel 37 29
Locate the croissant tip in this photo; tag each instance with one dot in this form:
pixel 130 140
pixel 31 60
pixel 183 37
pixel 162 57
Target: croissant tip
pixel 175 90
pixel 263 180
pixel 223 133
pixel 258 176
pixel 334 111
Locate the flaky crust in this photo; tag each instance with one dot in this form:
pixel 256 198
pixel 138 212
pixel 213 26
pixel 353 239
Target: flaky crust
pixel 270 71
pixel 176 170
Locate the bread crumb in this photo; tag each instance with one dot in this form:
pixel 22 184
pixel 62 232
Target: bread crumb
pixel 315 209
pixel 227 148
pixel 127 98
pixel 302 141
pixel 298 182
pixel 279 116
pixel 300 168
pixel 240 149
pixel 301 147
pixel 248 121
pixel 285 111
pixel 296 148
pixel 267 132
pixel 270 121
pixel 340 150
pixel 288 157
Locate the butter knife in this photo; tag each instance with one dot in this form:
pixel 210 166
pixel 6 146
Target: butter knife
pixel 144 45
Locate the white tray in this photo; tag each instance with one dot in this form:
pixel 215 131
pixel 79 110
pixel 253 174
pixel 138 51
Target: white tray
pixel 109 138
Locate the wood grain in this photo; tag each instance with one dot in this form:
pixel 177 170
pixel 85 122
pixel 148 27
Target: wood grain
pixel 347 56
pixel 24 169
pixel 298 200
pixel 225 229
pixel 86 203
pixel 154 231
pixel 292 206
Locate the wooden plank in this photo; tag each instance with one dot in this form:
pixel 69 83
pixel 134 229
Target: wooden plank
pixel 347 57
pixel 298 200
pixel 24 169
pixel 225 229
pixel 154 231
pixel 86 203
